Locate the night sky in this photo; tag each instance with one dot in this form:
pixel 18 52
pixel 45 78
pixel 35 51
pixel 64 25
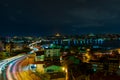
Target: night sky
pixel 44 17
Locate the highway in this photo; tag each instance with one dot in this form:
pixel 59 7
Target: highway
pixel 4 66
pixel 12 68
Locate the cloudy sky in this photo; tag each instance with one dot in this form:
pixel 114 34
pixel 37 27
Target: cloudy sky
pixel 43 17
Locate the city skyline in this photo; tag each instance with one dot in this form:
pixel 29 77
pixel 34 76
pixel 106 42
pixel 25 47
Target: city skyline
pixel 65 17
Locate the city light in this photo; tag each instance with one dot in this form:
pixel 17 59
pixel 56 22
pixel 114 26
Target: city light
pixel 55 55
pixel 63 68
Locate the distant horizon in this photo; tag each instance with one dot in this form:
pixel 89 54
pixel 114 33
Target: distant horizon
pixel 52 34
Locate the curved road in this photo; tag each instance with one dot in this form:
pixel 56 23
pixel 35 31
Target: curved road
pixel 4 65
pixel 13 69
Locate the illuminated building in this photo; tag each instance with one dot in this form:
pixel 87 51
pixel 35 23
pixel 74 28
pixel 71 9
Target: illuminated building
pixel 57 35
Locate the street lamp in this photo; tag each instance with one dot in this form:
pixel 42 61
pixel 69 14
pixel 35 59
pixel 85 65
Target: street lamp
pixel 63 68
pixel 66 72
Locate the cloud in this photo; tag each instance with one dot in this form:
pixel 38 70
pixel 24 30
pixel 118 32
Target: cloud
pixel 92 14
pixel 96 13
pixel 88 25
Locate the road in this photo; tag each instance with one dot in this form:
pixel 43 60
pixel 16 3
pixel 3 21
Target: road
pixel 4 66
pixel 17 68
pixel 11 69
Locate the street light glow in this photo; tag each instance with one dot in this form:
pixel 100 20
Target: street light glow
pixel 63 68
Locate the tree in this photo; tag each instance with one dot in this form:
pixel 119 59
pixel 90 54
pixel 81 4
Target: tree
pixel 3 55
